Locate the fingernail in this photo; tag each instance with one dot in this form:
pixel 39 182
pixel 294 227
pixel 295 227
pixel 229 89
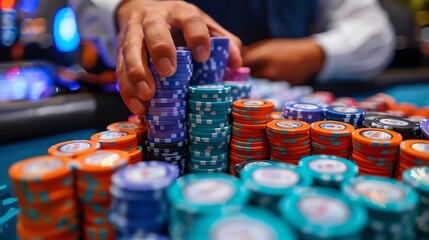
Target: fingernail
pixel 165 66
pixel 135 105
pixel 200 53
pixel 142 89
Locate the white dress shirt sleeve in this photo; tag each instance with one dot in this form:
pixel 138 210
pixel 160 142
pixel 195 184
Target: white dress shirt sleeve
pixel 357 39
pixel 96 22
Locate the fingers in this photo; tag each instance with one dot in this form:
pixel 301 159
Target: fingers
pixel 134 60
pixel 188 18
pixel 160 44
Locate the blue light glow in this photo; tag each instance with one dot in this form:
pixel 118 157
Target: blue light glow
pixel 28 6
pixel 66 35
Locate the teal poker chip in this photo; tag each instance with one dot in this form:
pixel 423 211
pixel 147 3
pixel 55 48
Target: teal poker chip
pixel 210 98
pixel 208 121
pixel 220 167
pixel 210 130
pixel 206 109
pixel 327 169
pixel 252 221
pixel 212 153
pixel 275 179
pixel 213 113
pixel 210 89
pixel 418 178
pixel 210 135
pixel 207 193
pixel 209 139
pixel 209 170
pixel 211 163
pixel 323 213
pixel 213 105
pixel 202 116
pixel 206 126
pixel 212 158
pixel 381 194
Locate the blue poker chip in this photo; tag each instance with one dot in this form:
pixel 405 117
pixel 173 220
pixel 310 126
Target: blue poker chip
pixel 183 143
pixel 176 104
pixel 171 87
pixel 323 213
pixel 164 100
pixel 138 208
pixel 154 224
pixel 303 108
pixel 344 112
pixel 164 122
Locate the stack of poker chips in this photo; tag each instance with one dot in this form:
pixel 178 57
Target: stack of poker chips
pixel 93 173
pixel 412 153
pixel 248 223
pixel 167 132
pixel 303 111
pixel 212 71
pixel 418 178
pixel 239 90
pixel 408 129
pixel 238 75
pixel 74 148
pixel 46 197
pixel 289 140
pixel 391 206
pixel 197 195
pixel 269 183
pixel 124 140
pixel 331 138
pixel 249 140
pixel 323 213
pixel 375 151
pixel 8 212
pixel 348 114
pixel 209 128
pixel 244 166
pixel 328 171
pixel 139 203
pixel 141 133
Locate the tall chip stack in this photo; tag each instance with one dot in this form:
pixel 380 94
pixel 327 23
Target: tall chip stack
pixel 124 140
pixel 167 131
pixel 391 206
pixel 375 151
pixel 74 148
pixel 141 133
pixel 249 139
pixel 328 171
pixel 197 195
pixel 45 191
pixel 323 213
pixel 213 70
pixel 139 208
pixel 238 80
pixel 412 153
pixel 93 173
pixel 289 140
pixel 418 178
pixel 331 138
pixel 209 128
pixel 269 183
pixel 348 114
pixel 303 111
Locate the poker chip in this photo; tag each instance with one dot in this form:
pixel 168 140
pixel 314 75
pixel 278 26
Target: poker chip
pixel 73 148
pixel 289 140
pixel 412 153
pixel 237 75
pixel 277 115
pixel 138 127
pixel 239 90
pixel 92 179
pixel 375 151
pixel 391 206
pixel 244 166
pixel 303 111
pixel 253 222
pixel 197 195
pixel 418 178
pixel 250 118
pixel 209 127
pixel 125 140
pixel 323 213
pixel 408 129
pixel 348 114
pixel 212 71
pixel 327 170
pixel 424 127
pixel 139 198
pixel 45 191
pixel 269 183
pixel 326 136
pixel 167 113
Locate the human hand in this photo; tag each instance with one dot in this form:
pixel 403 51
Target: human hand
pixel 146 27
pixel 293 60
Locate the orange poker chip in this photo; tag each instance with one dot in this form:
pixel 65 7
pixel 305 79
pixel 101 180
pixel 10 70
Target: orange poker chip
pixel 46 221
pixel 37 187
pixel 246 157
pixel 101 162
pixel 343 143
pixel 26 199
pixel 389 158
pixel 277 115
pixel 73 148
pixel 290 145
pixel 117 137
pixel 253 122
pixel 248 149
pixel 253 105
pixel 95 232
pixel 376 151
pixel 423 111
pixel 40 170
pixel 407 108
pixel 288 127
pixel 249 126
pixel 244 139
pixel 249 144
pixel 250 131
pixel 416 148
pixel 411 162
pixel 249 154
pixel 332 128
pixel 251 117
pixel 376 137
pixel 101 207
pixel 127 125
pixel 53 233
pixel 136 156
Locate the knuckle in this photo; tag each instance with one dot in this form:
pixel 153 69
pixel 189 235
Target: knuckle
pixel 159 45
pixel 135 72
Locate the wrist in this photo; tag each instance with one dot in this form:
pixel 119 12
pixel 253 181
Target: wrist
pixel 314 57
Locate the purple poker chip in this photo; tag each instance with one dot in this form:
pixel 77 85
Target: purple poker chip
pixel 167 114
pixel 166 127
pixel 180 144
pixel 169 104
pixel 166 92
pixel 159 86
pixel 166 109
pixel 179 74
pixel 160 95
pixel 162 83
pixel 165 118
pixel 167 132
pixel 164 100
pixel 172 158
pixel 167 135
pixel 424 127
pixel 164 122
pixel 138 177
pixel 166 140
